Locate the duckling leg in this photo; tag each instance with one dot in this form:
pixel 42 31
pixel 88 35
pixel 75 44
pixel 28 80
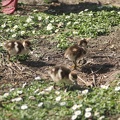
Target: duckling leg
pixel 75 65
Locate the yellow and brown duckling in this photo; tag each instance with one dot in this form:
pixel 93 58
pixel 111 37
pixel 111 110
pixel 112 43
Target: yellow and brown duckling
pixel 76 52
pixel 17 47
pixel 62 76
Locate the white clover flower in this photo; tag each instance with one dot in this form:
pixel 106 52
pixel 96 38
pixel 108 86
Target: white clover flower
pixel 57 92
pixel 88 114
pixel 88 109
pixel 17 99
pixel 84 92
pixel 15 27
pixel 49 89
pixel 104 86
pixel 22 32
pixel 62 103
pixel 74 107
pixel 6 95
pixel 117 88
pixel 24 107
pixel 19 91
pixel 3 26
pixel 73 117
pixel 40 104
pixel 58 98
pixel 49 26
pixel 81 12
pixel 38 78
pixel 12 30
pixel 119 12
pixel 101 118
pixel 14 35
pixel 78 112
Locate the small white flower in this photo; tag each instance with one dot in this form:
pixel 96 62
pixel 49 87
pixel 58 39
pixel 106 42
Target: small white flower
pixel 57 92
pixel 6 95
pixel 69 23
pixel 7 30
pixel 22 32
pixel 97 114
pixel 23 86
pixel 25 25
pixel 88 114
pixel 62 103
pixel 117 88
pixel 90 14
pixel 119 12
pixel 3 26
pixel 33 31
pixel 31 97
pixel 41 93
pixel 49 89
pixel 19 91
pixel 104 86
pixel 58 98
pixel 56 30
pixel 40 104
pixel 60 24
pixel 88 109
pixel 67 17
pixel 12 89
pixel 16 99
pixel 74 107
pixel 101 118
pixel 14 35
pixel 75 23
pixel 84 92
pixel 29 19
pixel 24 107
pixel 37 90
pixel 86 10
pixel 75 32
pixel 49 26
pixel 38 78
pixel 35 10
pixel 78 112
pixel 15 27
pixel 73 117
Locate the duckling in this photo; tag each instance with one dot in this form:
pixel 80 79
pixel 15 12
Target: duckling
pixel 76 52
pixel 62 76
pixel 17 47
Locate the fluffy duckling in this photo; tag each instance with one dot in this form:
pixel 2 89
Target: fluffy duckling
pixel 76 52
pixel 62 76
pixel 17 47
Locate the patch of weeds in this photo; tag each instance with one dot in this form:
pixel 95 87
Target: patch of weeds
pixel 40 101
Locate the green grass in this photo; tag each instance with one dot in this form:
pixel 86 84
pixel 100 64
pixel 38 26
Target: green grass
pixel 58 105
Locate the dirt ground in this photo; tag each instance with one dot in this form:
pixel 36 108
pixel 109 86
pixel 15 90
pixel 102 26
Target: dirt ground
pixel 103 52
